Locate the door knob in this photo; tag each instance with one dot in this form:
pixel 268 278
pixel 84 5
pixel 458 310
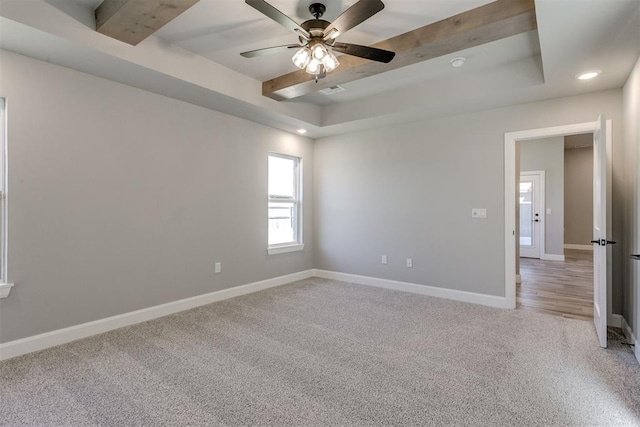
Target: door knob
pixel 635 256
pixel 603 242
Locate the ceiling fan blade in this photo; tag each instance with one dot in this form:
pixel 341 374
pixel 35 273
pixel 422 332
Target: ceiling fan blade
pixel 282 19
pixel 268 50
pixel 356 14
pixel 366 52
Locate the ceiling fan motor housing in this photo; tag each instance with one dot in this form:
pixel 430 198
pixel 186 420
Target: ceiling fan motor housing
pixel 315 27
pixel 317 9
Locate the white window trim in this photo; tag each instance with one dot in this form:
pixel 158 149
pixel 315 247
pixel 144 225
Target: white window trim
pixel 298 246
pixel 5 287
pixel 283 249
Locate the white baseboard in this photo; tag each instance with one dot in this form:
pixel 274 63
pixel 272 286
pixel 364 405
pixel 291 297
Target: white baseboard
pixel 579 247
pixel 62 336
pixel 518 278
pixel 552 257
pixel 5 288
pixel 631 338
pixel 489 300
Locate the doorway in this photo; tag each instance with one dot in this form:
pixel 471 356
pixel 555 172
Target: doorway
pixel 601 128
pixel 556 278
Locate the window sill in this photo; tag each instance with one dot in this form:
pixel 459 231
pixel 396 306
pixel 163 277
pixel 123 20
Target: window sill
pixel 5 288
pixel 275 250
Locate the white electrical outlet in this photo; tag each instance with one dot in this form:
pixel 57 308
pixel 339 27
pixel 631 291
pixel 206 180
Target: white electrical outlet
pixel 383 259
pixel 218 267
pixel 478 213
pixel 409 263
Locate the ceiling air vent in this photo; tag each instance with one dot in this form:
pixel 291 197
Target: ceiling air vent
pixel 333 89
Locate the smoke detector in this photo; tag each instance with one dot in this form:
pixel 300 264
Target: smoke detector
pixel 458 62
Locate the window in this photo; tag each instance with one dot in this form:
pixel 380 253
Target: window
pixel 285 228
pixel 4 286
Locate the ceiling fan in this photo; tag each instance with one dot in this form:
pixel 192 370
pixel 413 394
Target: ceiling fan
pixel 317 37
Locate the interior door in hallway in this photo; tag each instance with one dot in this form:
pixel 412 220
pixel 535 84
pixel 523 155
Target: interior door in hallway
pixel 601 255
pixel 530 214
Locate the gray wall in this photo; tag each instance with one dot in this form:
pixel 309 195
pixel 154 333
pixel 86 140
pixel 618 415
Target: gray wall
pixel 631 235
pixel 578 196
pixel 548 155
pixel 408 190
pixel 121 199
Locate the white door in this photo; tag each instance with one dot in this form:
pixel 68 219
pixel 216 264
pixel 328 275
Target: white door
pixel 600 247
pixel 530 215
pixel 635 268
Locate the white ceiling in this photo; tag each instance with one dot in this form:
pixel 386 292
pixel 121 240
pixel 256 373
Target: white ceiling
pixel 195 58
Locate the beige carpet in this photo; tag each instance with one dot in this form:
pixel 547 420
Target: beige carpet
pixel 319 352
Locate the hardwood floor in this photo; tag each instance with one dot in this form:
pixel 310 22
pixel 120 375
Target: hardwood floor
pixel 563 288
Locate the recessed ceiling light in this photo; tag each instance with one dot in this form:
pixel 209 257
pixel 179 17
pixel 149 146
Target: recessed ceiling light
pixel 302 131
pixel 588 75
pixel 458 62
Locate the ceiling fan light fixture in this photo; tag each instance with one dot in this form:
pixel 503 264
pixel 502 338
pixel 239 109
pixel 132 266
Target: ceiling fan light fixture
pixel 330 62
pixel 314 66
pixel 319 51
pixel 301 58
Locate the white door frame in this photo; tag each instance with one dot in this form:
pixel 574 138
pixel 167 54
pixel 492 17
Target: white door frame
pixel 635 247
pixel 510 179
pixel 543 208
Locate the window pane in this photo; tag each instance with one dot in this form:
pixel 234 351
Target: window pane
pixel 282 226
pixel 284 202
pixel 282 176
pixel 526 214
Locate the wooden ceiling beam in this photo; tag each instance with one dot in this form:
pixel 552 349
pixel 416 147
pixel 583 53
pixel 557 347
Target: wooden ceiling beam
pixel 132 21
pixel 491 22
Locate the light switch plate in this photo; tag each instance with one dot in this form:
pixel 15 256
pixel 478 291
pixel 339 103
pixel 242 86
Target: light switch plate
pixel 478 213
